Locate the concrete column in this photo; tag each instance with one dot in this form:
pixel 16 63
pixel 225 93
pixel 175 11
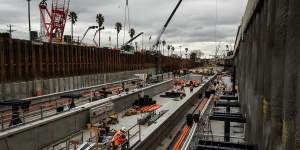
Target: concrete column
pixel 267 37
pixel 278 56
pixel 56 85
pixel 30 88
pixel 38 87
pixel 7 91
pixel 291 76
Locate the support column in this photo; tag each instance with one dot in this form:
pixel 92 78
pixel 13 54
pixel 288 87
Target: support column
pixel 278 56
pixel 290 80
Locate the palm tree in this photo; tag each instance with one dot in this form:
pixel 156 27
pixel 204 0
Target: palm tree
pixel 169 47
pixel 100 21
pixel 186 50
pixel 118 27
pixel 73 18
pixel 163 44
pixel 131 32
pixel 173 49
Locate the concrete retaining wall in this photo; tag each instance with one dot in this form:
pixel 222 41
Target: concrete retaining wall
pixel 48 86
pixel 267 60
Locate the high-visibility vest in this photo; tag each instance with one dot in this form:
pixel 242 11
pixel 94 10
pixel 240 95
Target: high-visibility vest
pixel 119 138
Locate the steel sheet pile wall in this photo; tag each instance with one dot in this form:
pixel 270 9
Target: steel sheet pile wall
pixel 21 60
pixel 268 71
pixel 32 69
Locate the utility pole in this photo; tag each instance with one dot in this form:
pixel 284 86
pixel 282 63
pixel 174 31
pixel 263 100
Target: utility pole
pixel 10 30
pixel 29 22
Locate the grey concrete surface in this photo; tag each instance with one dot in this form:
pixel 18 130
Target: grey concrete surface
pixel 267 60
pixel 39 134
pixel 47 86
pixel 152 136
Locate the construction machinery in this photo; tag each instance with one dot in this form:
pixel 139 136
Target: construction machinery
pixel 97 44
pixel 86 31
pixel 53 21
pixel 165 26
pixel 126 48
pixel 157 41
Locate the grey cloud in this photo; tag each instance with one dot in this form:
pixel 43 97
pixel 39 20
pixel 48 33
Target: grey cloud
pixel 193 22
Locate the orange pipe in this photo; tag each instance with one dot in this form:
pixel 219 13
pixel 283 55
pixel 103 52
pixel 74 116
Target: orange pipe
pixel 182 137
pixel 187 129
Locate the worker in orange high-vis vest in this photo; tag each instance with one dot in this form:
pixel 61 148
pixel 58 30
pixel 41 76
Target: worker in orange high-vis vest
pixel 119 138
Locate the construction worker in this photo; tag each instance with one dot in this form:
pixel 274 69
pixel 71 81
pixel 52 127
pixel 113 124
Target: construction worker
pixel 119 138
pixel 191 88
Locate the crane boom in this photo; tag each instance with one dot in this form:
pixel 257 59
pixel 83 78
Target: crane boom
pixel 133 38
pixel 166 25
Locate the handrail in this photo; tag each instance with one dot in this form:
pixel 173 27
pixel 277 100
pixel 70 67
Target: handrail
pixel 195 125
pixel 41 114
pixel 78 90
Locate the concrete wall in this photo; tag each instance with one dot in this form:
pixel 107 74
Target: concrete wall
pixel 45 132
pixel 267 60
pixel 47 86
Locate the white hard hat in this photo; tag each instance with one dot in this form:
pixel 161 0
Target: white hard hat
pixel 123 129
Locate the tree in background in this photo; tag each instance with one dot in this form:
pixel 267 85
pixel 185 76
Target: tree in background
pixel 173 49
pixel 164 44
pixel 118 27
pixel 186 52
pixel 73 18
pixel 131 32
pixel 100 21
pixel 169 47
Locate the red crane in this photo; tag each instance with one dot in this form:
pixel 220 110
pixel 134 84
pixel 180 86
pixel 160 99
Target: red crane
pixel 53 21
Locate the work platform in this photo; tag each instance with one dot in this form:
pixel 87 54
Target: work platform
pixel 76 119
pixel 149 137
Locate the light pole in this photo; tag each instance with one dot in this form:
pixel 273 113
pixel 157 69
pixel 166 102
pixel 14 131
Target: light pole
pixel 29 22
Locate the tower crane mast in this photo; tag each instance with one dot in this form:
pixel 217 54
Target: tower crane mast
pixel 53 21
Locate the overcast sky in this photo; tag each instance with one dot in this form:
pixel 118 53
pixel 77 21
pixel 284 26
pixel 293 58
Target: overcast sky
pixel 193 25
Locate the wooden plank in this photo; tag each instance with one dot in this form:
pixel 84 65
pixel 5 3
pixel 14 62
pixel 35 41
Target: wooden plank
pixel 10 63
pixel 97 60
pixel 58 63
pixel 63 59
pixel 47 60
pixel 26 60
pixel 18 45
pixel 76 61
pixel 2 61
pixel 112 60
pixel 85 54
pixel 52 64
pixel 67 57
pixel 102 60
pixel 90 66
pixel 94 60
pixel 80 59
pixel 34 67
pixel 71 60
pixel 41 62
pixel 91 60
